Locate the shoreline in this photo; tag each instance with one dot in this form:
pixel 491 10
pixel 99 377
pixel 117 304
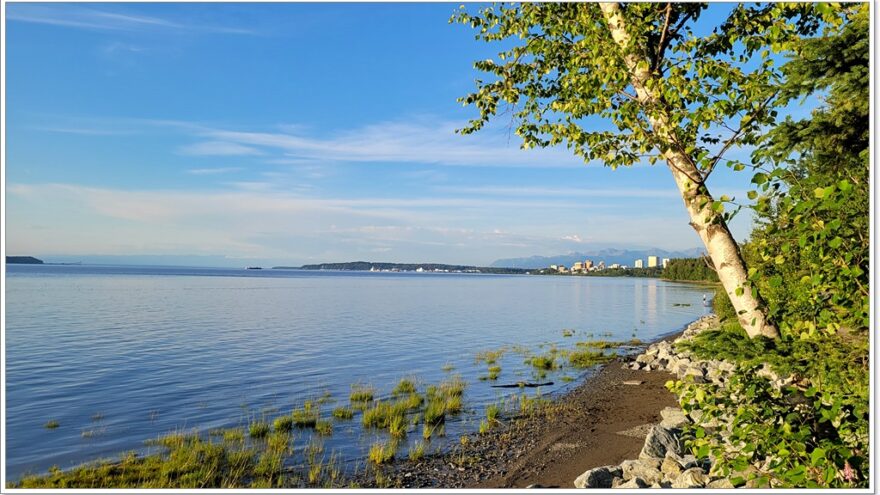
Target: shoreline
pixel 602 421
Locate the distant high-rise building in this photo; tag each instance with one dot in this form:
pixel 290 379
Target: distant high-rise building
pixel 665 262
pixel 614 266
pixel 652 261
pixel 577 267
pixel 588 264
pixel 601 265
pixel 638 264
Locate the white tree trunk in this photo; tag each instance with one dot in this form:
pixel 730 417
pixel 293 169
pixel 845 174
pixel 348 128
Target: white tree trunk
pixel 709 224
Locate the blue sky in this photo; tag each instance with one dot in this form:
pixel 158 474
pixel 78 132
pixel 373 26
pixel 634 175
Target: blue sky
pixel 291 133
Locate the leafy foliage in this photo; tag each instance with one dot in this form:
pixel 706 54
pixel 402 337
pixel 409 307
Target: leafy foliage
pixel 808 426
pixel 810 256
pixel 568 69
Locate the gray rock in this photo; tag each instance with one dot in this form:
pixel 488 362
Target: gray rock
pixel 670 468
pixel 673 417
pixel 643 359
pixel 659 441
pixel 720 483
pixel 600 477
pixel 633 483
pixel 726 366
pixel 690 478
pixel 646 469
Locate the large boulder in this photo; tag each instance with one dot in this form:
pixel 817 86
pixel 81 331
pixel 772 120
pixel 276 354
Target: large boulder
pixel 691 478
pixel 648 470
pixel 673 417
pixel 720 483
pixel 600 477
pixel 633 483
pixel 659 441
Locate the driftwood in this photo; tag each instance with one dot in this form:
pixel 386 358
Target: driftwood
pixel 523 384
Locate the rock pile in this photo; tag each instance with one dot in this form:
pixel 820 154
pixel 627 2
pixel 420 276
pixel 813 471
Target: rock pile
pixel 662 462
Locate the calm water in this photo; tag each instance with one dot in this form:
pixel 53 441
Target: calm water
pixel 118 355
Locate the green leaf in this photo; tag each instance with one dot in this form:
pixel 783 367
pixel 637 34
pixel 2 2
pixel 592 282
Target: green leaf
pixel 817 455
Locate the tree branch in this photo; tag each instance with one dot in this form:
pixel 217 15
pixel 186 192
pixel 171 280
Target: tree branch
pixel 661 44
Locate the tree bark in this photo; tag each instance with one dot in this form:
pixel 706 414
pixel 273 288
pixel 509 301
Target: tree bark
pixel 708 223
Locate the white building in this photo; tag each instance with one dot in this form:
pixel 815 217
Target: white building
pixel 665 262
pixel 652 261
pixel 638 264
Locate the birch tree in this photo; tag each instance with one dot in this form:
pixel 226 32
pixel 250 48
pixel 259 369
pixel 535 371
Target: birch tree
pixel 627 83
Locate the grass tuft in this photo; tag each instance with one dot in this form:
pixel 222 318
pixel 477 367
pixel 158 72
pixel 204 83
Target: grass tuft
pixel 417 451
pixel 283 423
pixel 343 413
pixel 404 386
pixel 306 416
pixel 324 427
pixel 362 393
pixel 258 429
pixel 382 452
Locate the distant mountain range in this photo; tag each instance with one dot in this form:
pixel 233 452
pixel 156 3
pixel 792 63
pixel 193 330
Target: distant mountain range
pixel 608 255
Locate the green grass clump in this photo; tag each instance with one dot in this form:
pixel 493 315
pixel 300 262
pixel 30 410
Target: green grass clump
pixel 600 344
pixel 412 402
pixel 587 358
pixel 453 404
pixel 397 426
pixel 567 332
pixel 542 362
pixel 494 372
pixel 404 386
pixel 324 427
pixel 235 435
pixel 493 412
pixel 484 427
pixel 383 413
pixel 258 429
pixel 189 462
pixel 283 423
pixel 361 393
pixel 382 452
pixel 490 357
pixel 452 387
pixel 343 413
pixel 306 416
pixel 51 424
pixel 447 367
pixel 435 412
pixel 417 451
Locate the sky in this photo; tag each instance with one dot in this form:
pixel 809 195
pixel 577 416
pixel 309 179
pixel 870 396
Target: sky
pixel 292 134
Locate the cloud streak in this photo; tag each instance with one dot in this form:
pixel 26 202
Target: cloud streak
pixel 422 141
pixel 72 16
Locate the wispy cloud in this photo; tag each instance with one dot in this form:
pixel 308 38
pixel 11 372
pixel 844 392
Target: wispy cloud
pixel 212 171
pixel 420 140
pixel 218 148
pixel 72 16
pixel 255 219
pixel 557 192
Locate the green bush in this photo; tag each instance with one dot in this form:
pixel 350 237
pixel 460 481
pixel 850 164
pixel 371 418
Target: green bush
pixel 722 306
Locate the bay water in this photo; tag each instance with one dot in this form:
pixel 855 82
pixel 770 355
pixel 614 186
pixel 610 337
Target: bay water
pixel 121 354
